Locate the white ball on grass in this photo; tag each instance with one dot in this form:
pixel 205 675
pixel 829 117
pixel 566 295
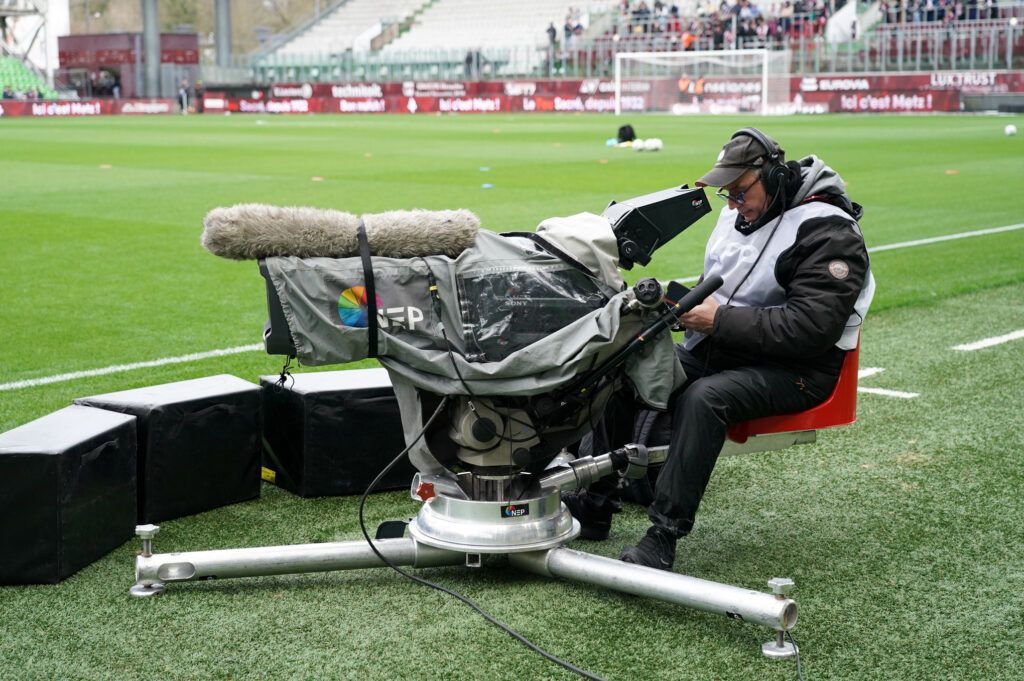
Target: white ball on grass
pixel 1010 129
pixel 638 144
pixel 653 144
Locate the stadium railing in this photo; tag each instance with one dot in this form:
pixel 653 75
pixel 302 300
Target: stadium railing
pixel 982 44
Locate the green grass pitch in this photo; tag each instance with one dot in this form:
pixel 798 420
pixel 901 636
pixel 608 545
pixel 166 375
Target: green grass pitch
pixel 903 532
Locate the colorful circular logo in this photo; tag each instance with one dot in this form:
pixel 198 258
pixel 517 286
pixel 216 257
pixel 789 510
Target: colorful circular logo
pixel 352 307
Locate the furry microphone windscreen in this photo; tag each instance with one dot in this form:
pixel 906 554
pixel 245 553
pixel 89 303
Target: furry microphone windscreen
pixel 251 231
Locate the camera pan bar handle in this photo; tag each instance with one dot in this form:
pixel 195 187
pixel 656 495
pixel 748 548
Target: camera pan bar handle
pixel 692 299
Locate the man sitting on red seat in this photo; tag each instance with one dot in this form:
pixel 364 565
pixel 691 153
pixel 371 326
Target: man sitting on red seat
pixel 770 341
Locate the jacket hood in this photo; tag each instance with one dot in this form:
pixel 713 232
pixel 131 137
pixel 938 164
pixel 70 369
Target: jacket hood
pixel 819 180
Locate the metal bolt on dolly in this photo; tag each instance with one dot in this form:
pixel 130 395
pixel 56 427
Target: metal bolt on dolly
pixel 146 534
pixel 779 647
pixel 144 588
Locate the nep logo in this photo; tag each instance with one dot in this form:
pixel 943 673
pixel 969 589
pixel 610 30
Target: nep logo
pixel 353 312
pixel 515 510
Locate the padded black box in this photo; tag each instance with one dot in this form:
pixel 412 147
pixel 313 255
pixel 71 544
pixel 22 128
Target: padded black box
pixel 67 493
pixel 332 432
pixel 199 443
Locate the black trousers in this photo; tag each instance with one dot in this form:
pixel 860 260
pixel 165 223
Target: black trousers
pixel 718 394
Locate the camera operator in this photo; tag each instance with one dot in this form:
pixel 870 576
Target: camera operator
pixel 770 341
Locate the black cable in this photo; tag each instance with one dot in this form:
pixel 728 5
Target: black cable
pixel 426 582
pixel 286 373
pixel 436 299
pixel 796 649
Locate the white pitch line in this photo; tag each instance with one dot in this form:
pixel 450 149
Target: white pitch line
pixel 919 242
pixel 872 371
pixel 947 237
pixel 989 342
pixel 59 378
pixel 888 393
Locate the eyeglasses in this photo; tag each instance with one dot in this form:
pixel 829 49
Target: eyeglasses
pixel 738 196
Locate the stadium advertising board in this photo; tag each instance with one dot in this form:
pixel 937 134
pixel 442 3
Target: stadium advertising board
pixel 591 95
pixel 904 92
pixel 832 93
pixel 86 107
pixel 420 105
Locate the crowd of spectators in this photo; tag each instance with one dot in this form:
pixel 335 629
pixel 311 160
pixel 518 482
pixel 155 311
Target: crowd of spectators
pixel 10 93
pixel 946 11
pixel 572 29
pixel 721 24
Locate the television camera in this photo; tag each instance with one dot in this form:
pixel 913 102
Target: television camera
pixel 503 351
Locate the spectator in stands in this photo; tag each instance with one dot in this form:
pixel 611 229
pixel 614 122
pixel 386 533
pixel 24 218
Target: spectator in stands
pixel 8 92
pixel 761 32
pixel 552 34
pixel 661 19
pixel 642 16
pixel 674 24
pixel 689 37
pixel 183 95
pixel 786 16
pixel 718 35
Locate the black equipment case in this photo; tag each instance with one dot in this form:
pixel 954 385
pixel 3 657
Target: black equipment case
pixel 330 433
pixel 67 493
pixel 199 443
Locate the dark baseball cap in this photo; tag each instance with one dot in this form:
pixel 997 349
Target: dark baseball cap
pixel 739 155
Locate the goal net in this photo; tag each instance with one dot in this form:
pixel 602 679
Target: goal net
pixel 717 81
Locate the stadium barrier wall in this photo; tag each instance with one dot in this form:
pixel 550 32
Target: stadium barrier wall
pixel 86 107
pixel 939 91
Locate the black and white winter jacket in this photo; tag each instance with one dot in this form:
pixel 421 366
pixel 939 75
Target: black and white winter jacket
pixel 797 285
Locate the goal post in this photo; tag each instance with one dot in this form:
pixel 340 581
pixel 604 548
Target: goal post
pixel 709 81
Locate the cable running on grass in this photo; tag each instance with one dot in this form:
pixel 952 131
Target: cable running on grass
pixel 433 585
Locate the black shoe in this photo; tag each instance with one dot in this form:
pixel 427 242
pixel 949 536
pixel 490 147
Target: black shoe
pixel 593 511
pixel 657 549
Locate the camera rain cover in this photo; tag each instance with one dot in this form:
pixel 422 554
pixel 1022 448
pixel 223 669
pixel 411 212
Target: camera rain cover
pixel 506 317
pixel 505 311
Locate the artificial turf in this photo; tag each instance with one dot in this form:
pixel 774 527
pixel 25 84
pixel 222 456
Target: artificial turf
pixel 902 532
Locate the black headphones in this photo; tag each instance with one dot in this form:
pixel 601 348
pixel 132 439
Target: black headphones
pixel 774 173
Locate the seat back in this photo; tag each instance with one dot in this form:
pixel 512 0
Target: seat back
pixel 840 409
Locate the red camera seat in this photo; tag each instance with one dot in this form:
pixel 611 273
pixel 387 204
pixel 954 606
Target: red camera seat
pixel 840 409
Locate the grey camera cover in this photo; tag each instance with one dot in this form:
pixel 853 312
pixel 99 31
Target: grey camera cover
pixel 469 335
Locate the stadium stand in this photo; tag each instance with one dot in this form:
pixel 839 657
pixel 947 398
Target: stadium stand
pixel 716 26
pixel 464 39
pixel 922 11
pixel 485 32
pixel 17 81
pixel 343 28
